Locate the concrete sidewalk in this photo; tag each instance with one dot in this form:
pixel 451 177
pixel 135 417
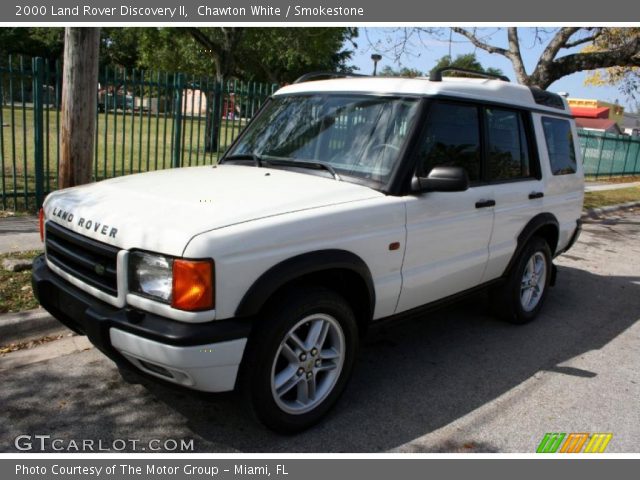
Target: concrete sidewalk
pixel 602 186
pixel 28 325
pixel 18 234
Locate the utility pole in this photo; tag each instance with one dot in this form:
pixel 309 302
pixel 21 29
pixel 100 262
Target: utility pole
pixel 79 90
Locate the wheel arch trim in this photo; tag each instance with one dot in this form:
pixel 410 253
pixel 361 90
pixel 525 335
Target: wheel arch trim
pixel 531 228
pixel 301 265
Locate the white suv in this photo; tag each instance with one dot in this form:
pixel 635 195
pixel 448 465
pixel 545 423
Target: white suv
pixel 345 201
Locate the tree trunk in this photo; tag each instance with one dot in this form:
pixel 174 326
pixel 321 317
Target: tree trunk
pixel 79 89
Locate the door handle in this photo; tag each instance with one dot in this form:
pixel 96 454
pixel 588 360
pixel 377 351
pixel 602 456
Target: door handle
pixel 485 203
pixel 534 195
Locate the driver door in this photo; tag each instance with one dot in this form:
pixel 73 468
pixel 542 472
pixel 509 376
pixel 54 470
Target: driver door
pixel 448 233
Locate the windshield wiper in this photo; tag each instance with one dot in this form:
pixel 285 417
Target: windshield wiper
pixel 257 159
pixel 315 165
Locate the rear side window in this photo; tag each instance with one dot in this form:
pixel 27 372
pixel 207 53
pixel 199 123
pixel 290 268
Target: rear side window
pixel 562 155
pixel 452 139
pixel 508 148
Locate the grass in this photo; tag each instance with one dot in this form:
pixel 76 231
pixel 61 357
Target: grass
pixel 16 294
pixel 11 213
pixel 611 197
pixel 126 143
pixel 627 179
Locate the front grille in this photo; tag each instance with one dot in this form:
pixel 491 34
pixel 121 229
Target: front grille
pixel 88 260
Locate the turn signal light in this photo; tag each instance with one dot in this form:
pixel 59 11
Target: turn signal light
pixel 41 223
pixel 192 285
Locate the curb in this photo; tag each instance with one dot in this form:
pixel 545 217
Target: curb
pixel 597 212
pixel 22 326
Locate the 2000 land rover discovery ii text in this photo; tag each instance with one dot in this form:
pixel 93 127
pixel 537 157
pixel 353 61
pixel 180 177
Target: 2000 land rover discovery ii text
pixel 345 201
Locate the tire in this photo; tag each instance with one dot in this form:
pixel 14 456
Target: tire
pixel 280 372
pixel 516 302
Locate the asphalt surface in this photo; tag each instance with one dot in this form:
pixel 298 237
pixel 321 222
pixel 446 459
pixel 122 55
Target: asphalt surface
pixel 455 381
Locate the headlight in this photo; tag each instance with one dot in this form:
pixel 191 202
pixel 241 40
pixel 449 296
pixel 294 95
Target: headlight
pixel 184 284
pixel 151 275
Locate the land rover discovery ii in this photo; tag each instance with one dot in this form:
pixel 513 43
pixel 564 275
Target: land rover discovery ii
pixel 345 201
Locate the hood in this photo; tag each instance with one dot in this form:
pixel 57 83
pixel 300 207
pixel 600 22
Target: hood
pixel 162 210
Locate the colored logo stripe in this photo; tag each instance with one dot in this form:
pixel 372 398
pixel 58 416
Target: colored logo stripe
pixel 598 443
pixel 574 442
pixel 550 442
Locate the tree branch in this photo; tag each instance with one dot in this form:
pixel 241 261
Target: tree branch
pixel 627 55
pixel 584 40
pixel 515 55
pixel 480 44
pixel 559 40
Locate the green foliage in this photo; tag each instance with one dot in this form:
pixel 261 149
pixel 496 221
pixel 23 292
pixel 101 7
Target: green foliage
pixel 43 42
pixel 274 55
pixel 626 78
pixel 120 46
pixel 280 55
pixel 467 61
pixel 172 49
pixel 388 71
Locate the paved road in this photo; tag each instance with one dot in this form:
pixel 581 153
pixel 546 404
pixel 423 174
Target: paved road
pixel 456 381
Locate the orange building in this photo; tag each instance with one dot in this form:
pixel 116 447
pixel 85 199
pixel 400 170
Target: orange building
pixel 597 115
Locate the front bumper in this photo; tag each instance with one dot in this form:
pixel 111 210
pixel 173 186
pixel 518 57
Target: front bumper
pixel 203 356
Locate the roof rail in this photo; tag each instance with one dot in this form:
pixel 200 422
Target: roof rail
pixel 436 75
pixel 313 75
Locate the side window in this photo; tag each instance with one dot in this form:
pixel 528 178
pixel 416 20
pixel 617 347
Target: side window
pixel 452 139
pixel 508 151
pixel 562 155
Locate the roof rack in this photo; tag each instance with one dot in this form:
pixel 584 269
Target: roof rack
pixel 436 75
pixel 314 75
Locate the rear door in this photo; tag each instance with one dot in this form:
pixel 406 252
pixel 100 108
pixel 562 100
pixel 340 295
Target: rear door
pixel 513 168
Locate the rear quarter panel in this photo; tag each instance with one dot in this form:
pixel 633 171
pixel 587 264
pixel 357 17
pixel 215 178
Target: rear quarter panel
pixel 564 194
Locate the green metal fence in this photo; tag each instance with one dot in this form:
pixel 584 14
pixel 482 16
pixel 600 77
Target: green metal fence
pixel 609 155
pixel 145 121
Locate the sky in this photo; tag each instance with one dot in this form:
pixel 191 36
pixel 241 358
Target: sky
pixel 426 50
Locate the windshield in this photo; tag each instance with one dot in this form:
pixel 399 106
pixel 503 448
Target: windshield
pixel 353 135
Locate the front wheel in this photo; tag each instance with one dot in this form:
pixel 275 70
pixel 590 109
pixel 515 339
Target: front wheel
pixel 300 358
pixel 520 298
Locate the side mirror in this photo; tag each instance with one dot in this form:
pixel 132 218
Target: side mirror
pixel 442 179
